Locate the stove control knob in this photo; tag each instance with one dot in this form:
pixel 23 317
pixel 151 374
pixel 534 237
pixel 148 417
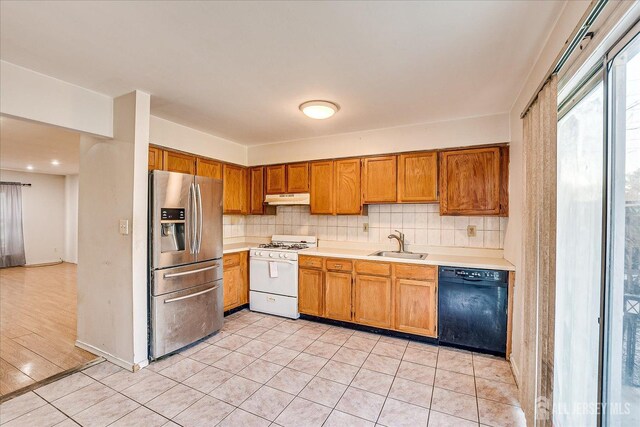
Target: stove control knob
pixel 283 255
pixel 272 255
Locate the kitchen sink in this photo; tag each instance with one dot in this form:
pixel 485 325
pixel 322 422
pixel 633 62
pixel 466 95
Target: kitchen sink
pixel 395 254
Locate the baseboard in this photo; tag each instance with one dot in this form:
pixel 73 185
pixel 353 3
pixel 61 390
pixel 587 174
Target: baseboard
pixel 111 358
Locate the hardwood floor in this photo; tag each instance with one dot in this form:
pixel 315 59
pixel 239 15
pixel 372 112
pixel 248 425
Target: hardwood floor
pixel 37 325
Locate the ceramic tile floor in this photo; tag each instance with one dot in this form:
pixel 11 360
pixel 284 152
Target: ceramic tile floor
pixel 262 370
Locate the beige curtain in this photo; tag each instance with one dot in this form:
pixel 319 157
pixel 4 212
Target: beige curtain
pixel 540 126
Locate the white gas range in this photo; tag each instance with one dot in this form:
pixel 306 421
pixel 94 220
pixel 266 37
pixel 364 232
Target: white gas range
pixel 273 273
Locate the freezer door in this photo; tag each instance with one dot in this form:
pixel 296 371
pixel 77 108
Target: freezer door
pixel 181 318
pixel 175 279
pixel 209 218
pixel 172 219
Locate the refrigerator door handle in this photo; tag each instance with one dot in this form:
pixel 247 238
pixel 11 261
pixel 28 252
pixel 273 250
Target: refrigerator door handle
pixel 199 201
pixel 186 273
pixel 192 226
pixel 191 295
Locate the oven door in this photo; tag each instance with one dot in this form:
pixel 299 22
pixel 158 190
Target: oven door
pixel 274 276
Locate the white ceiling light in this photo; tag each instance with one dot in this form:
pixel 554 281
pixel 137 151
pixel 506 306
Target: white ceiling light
pixel 30 167
pixel 55 162
pixel 319 109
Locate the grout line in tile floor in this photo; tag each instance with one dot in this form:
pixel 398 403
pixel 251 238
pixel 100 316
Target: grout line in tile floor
pixel 321 329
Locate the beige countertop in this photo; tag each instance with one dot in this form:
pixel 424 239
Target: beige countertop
pixel 231 248
pixel 432 259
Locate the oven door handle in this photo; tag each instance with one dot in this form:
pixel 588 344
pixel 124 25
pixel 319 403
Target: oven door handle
pixel 274 260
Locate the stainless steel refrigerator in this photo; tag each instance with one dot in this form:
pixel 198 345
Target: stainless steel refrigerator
pixel 185 260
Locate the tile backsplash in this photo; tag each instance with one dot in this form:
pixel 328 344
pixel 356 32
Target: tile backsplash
pixel 421 224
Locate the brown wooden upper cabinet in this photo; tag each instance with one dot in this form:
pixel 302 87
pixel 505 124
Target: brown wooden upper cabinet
pixel 235 189
pixel 348 187
pixel 298 177
pixel 256 183
pixel 208 168
pixel 179 162
pixel 276 179
pixel 155 158
pixel 474 181
pixel 322 191
pixel 418 177
pixel 379 179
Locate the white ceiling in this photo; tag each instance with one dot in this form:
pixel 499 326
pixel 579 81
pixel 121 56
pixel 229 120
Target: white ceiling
pixel 24 143
pixel 239 70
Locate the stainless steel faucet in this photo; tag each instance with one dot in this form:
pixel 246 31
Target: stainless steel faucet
pixel 399 238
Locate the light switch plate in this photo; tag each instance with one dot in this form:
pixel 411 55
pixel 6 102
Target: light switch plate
pixel 471 231
pixel 124 227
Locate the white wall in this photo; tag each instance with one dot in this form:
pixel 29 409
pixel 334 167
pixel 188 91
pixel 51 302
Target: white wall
pixel 43 215
pixel 455 133
pixel 173 135
pixel 71 183
pixel 568 19
pixel 30 95
pixel 112 268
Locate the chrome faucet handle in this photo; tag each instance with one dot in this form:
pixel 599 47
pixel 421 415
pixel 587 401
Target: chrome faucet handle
pixel 400 233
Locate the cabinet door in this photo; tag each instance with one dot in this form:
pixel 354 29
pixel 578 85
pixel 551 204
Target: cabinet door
pixel 379 179
pixel 416 303
pixel 322 187
pixel 348 189
pixel 256 200
pixel 234 193
pixel 373 301
pixel 245 192
pixel 470 182
pixel 178 162
pixel 232 285
pixel 337 295
pixel 243 297
pixel 276 179
pixel 155 158
pixel 310 291
pixel 208 168
pixel 298 178
pixel 418 177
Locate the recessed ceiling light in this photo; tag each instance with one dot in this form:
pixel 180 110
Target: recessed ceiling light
pixel 30 167
pixel 55 162
pixel 319 109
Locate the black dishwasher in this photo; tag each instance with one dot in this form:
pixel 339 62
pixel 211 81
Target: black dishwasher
pixel 472 309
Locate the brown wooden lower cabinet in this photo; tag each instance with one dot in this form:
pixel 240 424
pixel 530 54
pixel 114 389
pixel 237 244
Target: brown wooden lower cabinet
pixel 396 296
pixel 310 291
pixel 235 280
pixel 372 305
pixel 416 307
pixel 337 295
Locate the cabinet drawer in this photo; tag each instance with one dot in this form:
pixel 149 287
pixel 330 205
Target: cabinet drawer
pixel 373 268
pixel 415 272
pixel 339 264
pixel 310 262
pixel 231 260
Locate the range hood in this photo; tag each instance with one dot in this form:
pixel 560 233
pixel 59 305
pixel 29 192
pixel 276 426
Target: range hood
pixel 287 199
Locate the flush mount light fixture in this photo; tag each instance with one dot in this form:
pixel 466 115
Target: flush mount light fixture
pixel 319 110
pixel 55 162
pixel 30 167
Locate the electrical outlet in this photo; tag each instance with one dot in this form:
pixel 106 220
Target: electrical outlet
pixel 124 227
pixel 471 230
pixel 365 227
